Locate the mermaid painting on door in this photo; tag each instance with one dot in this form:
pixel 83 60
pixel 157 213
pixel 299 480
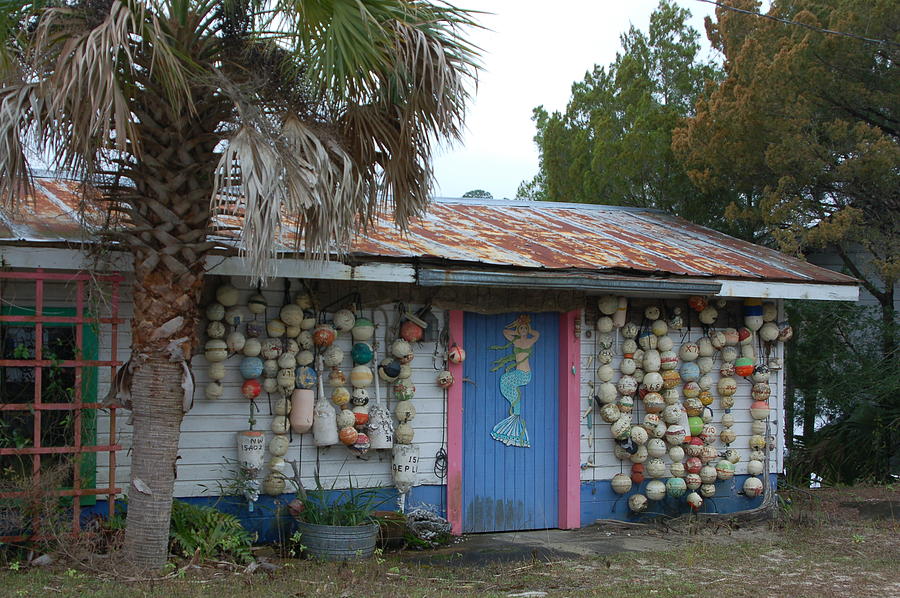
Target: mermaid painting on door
pixel 517 373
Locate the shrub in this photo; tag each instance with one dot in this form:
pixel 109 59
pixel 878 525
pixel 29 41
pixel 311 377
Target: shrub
pixel 211 532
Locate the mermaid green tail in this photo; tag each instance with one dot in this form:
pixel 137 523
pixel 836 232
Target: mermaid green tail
pixel 512 431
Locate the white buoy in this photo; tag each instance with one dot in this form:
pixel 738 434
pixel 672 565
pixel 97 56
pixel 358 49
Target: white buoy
pixel 404 466
pixel 251 448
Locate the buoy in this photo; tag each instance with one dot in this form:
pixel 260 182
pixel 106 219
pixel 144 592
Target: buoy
pixel 305 377
pixel 411 332
pixel 445 379
pixel 291 314
pixel 743 366
pixel 302 405
pixel 361 376
pixel 214 390
pixel 215 329
pixel 404 466
pixel 280 425
pixel 456 354
pixel 275 328
pixel 251 388
pixel 235 316
pixel 215 312
pixel 274 484
pixel 216 350
pixel 333 356
pixel 363 330
pixel 621 311
pixel 753 487
pixel 695 501
pixel 381 428
pixel 361 353
pixel 227 295
pixel 216 371
pixel 348 435
pixel 656 490
pixel 344 320
pixel 675 487
pixel 323 335
pixel 620 483
pixel 324 427
pixel 251 447
pixel 279 445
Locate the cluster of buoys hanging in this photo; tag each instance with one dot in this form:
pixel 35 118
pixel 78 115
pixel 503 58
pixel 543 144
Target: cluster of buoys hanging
pixel 679 424
pixel 342 417
pixel 396 370
pixel 278 356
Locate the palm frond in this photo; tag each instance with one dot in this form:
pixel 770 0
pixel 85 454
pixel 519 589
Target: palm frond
pixel 72 98
pixel 86 93
pixel 22 108
pixel 249 174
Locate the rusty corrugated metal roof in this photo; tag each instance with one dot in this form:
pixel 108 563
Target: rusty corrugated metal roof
pixel 538 235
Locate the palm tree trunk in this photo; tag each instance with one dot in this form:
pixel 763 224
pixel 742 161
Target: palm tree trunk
pixel 163 337
pixel 157 425
pixel 168 208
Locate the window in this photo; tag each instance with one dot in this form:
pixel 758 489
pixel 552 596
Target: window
pixel 53 423
pixel 49 367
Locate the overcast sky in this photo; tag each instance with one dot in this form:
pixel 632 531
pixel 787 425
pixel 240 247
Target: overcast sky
pixel 533 50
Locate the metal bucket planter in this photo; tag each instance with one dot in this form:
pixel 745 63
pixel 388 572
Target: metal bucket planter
pixel 337 542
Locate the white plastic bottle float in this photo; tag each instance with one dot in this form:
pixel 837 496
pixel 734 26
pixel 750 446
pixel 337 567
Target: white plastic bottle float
pixel 251 450
pixel 325 431
pixel 381 428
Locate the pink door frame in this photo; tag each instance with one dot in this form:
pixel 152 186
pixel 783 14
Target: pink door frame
pixel 569 426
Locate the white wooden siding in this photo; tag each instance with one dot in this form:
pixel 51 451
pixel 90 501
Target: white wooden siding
pixel 208 430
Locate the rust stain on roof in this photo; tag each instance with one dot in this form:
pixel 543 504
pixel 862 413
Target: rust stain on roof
pixel 538 235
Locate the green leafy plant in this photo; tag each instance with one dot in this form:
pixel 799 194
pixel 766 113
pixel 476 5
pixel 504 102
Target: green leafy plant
pixel 233 480
pixel 214 533
pixel 294 547
pixel 355 507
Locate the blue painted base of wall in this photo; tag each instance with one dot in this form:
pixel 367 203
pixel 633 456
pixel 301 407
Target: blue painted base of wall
pixel 270 523
pixel 598 501
pixel 269 520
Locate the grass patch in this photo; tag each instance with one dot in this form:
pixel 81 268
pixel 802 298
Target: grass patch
pixel 796 556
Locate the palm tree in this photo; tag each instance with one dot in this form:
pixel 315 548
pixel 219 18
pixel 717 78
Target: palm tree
pixel 176 110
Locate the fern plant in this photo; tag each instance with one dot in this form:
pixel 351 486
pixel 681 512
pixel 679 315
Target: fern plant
pixel 214 533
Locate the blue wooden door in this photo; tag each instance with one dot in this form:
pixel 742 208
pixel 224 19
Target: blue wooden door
pixel 505 486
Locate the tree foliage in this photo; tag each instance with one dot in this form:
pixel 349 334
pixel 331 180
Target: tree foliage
pixel 612 145
pixel 478 194
pixel 804 131
pixel 843 391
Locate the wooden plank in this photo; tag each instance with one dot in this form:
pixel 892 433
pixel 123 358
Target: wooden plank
pixel 455 431
pixel 569 422
pixel 299 268
pixel 61 259
pixel 788 290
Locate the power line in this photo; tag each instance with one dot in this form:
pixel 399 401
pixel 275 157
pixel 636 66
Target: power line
pixel 804 25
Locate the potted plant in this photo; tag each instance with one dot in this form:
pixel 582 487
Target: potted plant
pixel 338 527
